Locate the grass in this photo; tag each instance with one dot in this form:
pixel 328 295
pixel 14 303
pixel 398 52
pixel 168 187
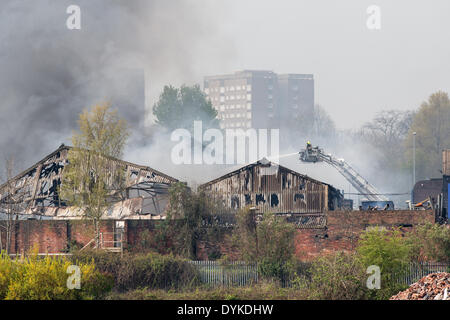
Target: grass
pixel 260 291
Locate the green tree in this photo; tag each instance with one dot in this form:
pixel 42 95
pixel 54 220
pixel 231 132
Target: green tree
pixel 432 126
pixel 179 108
pixel 91 179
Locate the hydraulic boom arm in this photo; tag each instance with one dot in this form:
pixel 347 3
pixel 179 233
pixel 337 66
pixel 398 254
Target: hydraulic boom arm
pixel 314 154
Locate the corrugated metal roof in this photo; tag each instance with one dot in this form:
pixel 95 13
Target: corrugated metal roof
pixel 271 188
pixel 146 188
pixel 266 162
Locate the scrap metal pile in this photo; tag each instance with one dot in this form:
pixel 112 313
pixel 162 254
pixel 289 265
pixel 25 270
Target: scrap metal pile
pixel 435 286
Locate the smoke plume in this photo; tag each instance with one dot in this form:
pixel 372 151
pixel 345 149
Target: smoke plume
pixel 49 73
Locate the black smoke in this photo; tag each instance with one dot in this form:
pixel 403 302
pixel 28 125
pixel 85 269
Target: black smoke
pixel 49 74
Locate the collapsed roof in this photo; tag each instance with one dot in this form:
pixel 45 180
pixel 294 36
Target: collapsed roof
pixel 272 187
pixel 146 191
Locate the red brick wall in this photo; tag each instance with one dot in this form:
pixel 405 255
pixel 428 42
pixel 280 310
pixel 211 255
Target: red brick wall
pixel 82 231
pixel 138 232
pixel 206 248
pixel 343 229
pixel 53 236
pixel 341 233
pixel 50 236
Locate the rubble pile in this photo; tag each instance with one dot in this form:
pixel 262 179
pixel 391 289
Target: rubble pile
pixel 435 286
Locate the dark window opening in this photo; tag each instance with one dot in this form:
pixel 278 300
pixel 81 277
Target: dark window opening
pixel 274 200
pixel 260 198
pixel 248 199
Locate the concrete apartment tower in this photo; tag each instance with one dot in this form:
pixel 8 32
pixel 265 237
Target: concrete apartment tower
pixel 260 99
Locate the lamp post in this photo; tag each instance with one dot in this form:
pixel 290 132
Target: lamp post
pixel 414 158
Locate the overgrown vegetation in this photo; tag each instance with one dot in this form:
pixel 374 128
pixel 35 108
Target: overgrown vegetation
pixel 430 242
pixel 34 278
pixel 150 270
pixel 190 218
pixel 391 252
pixel 37 278
pixel 269 242
pixel 338 276
pixel 264 290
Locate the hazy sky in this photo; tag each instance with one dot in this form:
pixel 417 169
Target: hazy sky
pixel 357 71
pixel 48 73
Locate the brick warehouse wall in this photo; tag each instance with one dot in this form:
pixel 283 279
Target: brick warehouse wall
pixel 207 250
pixel 48 237
pixel 80 232
pixel 53 236
pixel 139 234
pixel 344 227
pixel 341 233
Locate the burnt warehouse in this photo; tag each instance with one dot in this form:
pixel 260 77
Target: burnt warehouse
pixel 271 187
pixel 34 192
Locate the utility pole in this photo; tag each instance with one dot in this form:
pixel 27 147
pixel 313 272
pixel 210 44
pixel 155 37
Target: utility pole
pixel 254 224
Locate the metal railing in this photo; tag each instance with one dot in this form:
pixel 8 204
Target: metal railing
pixel 415 271
pixel 234 273
pixel 216 274
pixel 107 243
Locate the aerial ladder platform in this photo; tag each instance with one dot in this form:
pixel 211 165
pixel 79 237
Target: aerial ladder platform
pixel 315 154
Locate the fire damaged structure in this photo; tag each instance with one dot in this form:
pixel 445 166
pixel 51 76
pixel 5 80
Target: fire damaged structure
pixel 145 194
pixel 270 187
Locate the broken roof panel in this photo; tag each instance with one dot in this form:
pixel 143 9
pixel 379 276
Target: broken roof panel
pixel 272 188
pixel 146 189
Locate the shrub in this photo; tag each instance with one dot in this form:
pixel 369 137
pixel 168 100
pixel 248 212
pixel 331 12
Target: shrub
pixel 388 250
pixel 155 271
pixel 264 290
pixel 431 242
pixel 275 270
pixel 96 285
pixel 104 261
pixel 338 276
pixel 269 242
pixel 151 270
pixel 8 271
pixel 33 278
